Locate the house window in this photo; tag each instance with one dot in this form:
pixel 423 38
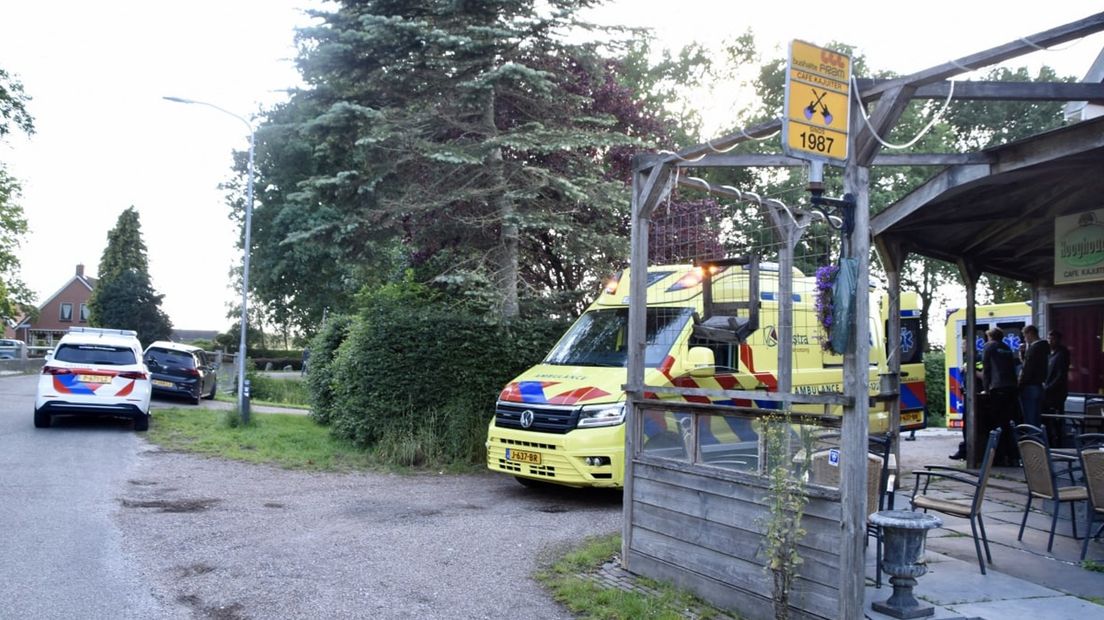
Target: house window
pixel 84 313
pixel 66 314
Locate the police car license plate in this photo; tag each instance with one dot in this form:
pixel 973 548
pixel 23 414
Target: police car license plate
pixel 523 456
pixel 159 383
pixel 94 378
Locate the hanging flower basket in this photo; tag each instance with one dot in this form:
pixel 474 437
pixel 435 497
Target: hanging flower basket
pixel 835 303
pixel 825 278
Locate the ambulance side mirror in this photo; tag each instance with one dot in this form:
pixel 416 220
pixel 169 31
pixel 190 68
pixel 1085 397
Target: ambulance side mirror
pixel 701 361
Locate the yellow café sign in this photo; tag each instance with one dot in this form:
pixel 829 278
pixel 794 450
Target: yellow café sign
pixel 818 82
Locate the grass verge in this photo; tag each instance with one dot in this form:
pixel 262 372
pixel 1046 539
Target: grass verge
pixel 568 580
pixel 286 440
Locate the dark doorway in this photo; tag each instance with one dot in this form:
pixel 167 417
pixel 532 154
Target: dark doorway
pixel 1082 328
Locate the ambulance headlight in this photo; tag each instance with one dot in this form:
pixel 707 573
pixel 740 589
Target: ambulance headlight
pixel 602 415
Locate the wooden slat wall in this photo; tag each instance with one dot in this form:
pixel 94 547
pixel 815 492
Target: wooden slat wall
pixel 703 530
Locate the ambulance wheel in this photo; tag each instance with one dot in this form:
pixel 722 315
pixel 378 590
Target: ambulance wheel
pixel 141 423
pixel 42 419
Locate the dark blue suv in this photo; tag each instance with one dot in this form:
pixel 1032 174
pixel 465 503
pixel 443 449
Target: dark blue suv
pixel 181 370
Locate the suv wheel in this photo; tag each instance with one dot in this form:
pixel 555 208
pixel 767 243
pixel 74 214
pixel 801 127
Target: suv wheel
pixel 214 388
pixel 42 419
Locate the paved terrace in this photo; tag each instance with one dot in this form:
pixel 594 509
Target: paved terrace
pixel 1024 581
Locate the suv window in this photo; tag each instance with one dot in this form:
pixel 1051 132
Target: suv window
pixel 94 354
pixel 174 359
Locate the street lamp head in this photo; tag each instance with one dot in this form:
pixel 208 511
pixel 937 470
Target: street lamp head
pixel 178 99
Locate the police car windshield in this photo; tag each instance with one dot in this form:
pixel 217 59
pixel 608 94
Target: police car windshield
pixel 600 338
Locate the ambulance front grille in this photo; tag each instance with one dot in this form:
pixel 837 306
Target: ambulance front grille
pixel 545 418
pixel 528 444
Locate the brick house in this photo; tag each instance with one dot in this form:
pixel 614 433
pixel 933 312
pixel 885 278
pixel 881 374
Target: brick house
pixel 64 309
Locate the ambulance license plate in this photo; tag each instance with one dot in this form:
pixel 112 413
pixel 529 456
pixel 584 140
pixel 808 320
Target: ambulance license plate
pixel 94 378
pixel 522 456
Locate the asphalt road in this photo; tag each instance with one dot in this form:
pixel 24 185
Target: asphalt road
pixel 96 522
pixel 60 549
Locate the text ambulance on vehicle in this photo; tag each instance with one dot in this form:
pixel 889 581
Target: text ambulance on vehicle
pixel 562 421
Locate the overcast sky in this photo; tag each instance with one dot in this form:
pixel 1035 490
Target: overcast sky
pixel 106 140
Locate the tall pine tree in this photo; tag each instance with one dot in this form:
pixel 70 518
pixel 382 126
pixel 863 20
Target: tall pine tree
pixel 124 297
pixel 469 139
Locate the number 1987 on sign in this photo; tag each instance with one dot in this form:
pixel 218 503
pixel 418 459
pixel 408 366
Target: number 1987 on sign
pixel 816 142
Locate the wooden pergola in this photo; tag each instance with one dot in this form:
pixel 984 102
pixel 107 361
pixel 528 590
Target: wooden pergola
pixel 1018 185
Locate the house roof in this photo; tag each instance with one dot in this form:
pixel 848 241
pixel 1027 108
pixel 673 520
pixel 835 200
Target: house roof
pixel 88 282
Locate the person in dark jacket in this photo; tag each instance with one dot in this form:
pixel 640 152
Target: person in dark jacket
pixel 1056 385
pixel 1034 353
pixel 998 371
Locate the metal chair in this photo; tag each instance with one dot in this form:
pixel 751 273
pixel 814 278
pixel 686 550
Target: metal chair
pixel 1090 447
pixel 970 510
pixel 1042 478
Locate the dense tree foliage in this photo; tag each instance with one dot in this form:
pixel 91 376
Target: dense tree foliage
pixel 469 141
pixel 15 298
pixel 124 297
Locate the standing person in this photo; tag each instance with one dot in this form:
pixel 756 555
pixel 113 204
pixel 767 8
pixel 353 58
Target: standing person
pixel 1034 352
pixel 998 372
pixel 1056 386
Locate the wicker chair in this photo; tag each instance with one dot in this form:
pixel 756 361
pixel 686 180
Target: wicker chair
pixel 1042 479
pixel 967 510
pixel 1090 447
pixel 823 472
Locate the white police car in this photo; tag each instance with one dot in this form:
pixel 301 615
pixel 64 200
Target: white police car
pixel 95 372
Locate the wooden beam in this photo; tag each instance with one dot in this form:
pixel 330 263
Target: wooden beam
pixel 921 196
pixel 992 56
pixel 970 275
pixel 856 422
pixel 893 254
pixel 742 160
pixel 885 116
pixel 718 146
pixel 1001 91
pixel 930 159
pixel 777 160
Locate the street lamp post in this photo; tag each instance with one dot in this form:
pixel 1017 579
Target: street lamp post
pixel 243 397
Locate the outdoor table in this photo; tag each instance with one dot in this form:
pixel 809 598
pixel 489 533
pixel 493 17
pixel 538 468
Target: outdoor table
pixel 1078 422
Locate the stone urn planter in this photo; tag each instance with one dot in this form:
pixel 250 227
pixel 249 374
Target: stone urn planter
pixel 904 534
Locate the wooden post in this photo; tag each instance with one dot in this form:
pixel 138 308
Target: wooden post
pixel 648 188
pixel 970 276
pixel 856 374
pixel 893 258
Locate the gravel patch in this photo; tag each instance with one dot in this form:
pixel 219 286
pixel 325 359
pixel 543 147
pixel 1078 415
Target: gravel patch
pixel 226 540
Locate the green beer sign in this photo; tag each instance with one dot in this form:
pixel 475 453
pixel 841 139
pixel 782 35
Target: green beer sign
pixel 1079 247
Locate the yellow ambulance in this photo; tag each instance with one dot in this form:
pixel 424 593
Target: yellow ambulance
pixel 1010 317
pixel 562 421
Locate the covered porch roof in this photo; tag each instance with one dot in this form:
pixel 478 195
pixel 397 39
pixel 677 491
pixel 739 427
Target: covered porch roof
pixel 996 209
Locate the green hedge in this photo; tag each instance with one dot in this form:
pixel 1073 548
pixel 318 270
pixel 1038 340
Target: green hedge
pixel 418 384
pixel 319 373
pixel 935 388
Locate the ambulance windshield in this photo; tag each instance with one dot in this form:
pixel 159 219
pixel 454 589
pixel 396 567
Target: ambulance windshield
pixel 600 338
